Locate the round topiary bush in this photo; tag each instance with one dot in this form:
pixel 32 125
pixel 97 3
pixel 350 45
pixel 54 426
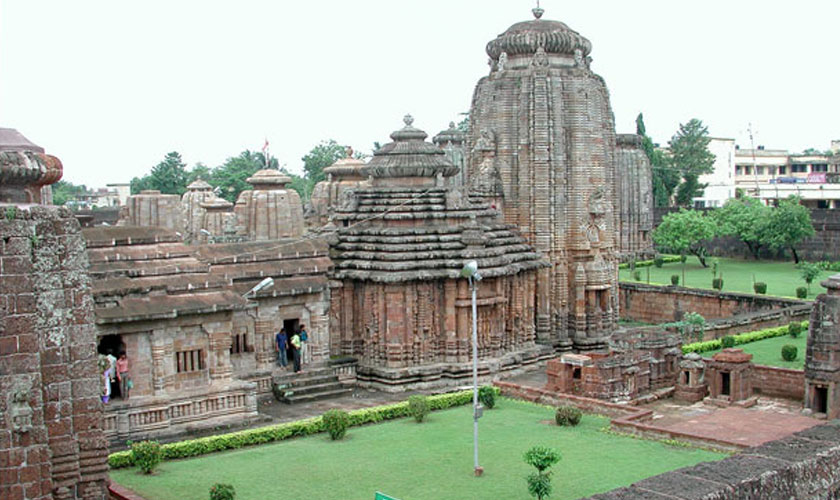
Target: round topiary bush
pixel 637 275
pixel 727 342
pixel 760 287
pixel 789 352
pixel 794 329
pixel 221 491
pixel 658 261
pixel 487 396
pixel 336 423
pixel 717 284
pixel 418 407
pixel 683 258
pixel 567 416
pixel 146 455
pixel 675 279
pixel 801 292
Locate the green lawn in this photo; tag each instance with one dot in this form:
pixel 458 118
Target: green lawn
pixel 428 461
pixel 782 278
pixel 769 351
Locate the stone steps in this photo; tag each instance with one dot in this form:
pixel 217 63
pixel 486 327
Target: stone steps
pixel 309 386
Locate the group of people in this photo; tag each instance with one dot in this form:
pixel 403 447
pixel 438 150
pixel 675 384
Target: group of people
pixel 115 372
pixel 296 344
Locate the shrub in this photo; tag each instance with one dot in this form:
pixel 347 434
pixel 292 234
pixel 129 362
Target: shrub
pixel 760 287
pixel 717 283
pixel 675 279
pixel 801 292
pixel 741 338
pixel 794 329
pixel 683 258
pixel 146 455
pixel 418 407
pixel 487 396
pixel 541 458
pixel 789 352
pixel 658 261
pixel 727 341
pixel 637 275
pixel 221 491
pixel 336 423
pixel 567 416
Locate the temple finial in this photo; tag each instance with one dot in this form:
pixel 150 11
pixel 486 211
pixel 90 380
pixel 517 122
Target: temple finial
pixel 537 11
pixel 408 120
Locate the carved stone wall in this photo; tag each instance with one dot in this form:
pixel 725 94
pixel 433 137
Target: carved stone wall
pixel 52 444
pixel 547 119
pixel 822 360
pixel 635 194
pixel 270 210
pixel 150 208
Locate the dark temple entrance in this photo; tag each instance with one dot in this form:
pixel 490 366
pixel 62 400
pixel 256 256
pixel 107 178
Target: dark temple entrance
pixel 821 399
pixel 290 325
pixel 113 345
pixel 724 384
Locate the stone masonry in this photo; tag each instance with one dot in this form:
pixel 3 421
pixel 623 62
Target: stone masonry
pixel 635 194
pixel 546 118
pixel 822 360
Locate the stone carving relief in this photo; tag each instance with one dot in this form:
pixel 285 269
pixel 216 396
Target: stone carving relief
pixel 20 411
pixel 486 141
pixel 347 200
pixel 595 223
pixel 540 59
pixel 503 61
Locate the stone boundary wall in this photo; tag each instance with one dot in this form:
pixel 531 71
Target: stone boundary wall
pixel 824 245
pixel 804 466
pixel 725 313
pixel 779 382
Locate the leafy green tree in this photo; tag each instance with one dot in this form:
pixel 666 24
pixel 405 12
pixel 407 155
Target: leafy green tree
pixel 302 185
pixel 664 178
pixel 809 271
pixel 320 157
pixel 541 458
pixel 690 155
pixel 199 171
pixel 745 218
pixel 230 176
pixel 789 225
pixel 168 176
pixel 64 191
pixel 686 231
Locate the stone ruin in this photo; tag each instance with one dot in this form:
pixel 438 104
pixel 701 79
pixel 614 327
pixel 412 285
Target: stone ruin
pixel 399 303
pixel 635 194
pixel 342 176
pixel 822 361
pixel 52 444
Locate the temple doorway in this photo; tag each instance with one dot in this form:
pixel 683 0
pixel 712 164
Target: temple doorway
pixel 821 399
pixel 112 345
pixel 291 326
pixel 724 384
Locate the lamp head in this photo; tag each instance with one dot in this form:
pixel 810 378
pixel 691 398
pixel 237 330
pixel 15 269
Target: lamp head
pixel 268 282
pixel 470 270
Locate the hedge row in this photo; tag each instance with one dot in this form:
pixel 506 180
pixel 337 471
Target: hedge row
pixel 742 338
pixel 279 432
pixel 667 259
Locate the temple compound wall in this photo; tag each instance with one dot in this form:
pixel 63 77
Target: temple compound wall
pixel 200 344
pixel 51 439
pixel 398 301
pixel 544 120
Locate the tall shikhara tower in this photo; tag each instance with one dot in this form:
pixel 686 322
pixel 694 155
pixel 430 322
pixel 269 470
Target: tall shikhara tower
pixel 543 130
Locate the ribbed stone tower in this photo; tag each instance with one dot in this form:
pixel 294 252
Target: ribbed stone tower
pixel 546 119
pixel 271 210
pixel 635 192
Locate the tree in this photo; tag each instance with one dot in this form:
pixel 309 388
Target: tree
pixel 168 177
pixel 789 224
pixel 664 178
pixel 320 157
pixel 684 232
pixel 64 191
pixel 199 171
pixel 690 155
pixel 745 218
pixel 230 176
pixel 809 271
pixel 541 458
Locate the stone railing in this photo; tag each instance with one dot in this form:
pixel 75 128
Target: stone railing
pixel 345 369
pixel 145 417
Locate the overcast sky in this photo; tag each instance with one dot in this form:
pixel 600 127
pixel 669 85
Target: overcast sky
pixel 111 86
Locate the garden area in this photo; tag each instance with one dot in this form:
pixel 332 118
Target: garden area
pixel 768 352
pixel 780 346
pixel 428 460
pixel 738 275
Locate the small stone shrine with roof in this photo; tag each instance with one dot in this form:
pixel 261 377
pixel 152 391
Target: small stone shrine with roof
pixel 822 361
pixel 399 303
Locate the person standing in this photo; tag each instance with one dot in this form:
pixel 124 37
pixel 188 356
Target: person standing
pixel 122 375
pixel 304 342
pixel 296 346
pixel 281 342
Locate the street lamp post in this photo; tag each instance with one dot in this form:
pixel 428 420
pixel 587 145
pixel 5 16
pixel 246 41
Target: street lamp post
pixel 470 271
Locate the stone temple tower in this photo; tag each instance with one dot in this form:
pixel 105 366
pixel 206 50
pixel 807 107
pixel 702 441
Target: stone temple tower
pixel 545 119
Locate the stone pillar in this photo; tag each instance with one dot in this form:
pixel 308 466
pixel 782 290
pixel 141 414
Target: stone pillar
pixel 319 331
pixel 158 365
pixel 264 329
pixel 219 357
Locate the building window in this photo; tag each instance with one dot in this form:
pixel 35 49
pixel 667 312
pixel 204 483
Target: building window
pixel 739 170
pixel 759 170
pixel 819 168
pixel 771 171
pixel 799 169
pixel 782 170
pixel 239 344
pixel 189 361
pixel 747 170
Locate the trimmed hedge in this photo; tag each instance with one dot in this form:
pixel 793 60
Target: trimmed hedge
pixel 742 338
pixel 279 432
pixel 667 259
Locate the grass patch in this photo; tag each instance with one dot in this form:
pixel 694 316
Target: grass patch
pixel 782 278
pixel 414 461
pixel 768 352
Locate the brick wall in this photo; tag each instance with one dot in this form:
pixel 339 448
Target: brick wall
pixel 51 440
pixel 779 382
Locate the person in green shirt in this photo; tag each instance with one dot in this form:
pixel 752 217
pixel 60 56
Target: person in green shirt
pixel 296 345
